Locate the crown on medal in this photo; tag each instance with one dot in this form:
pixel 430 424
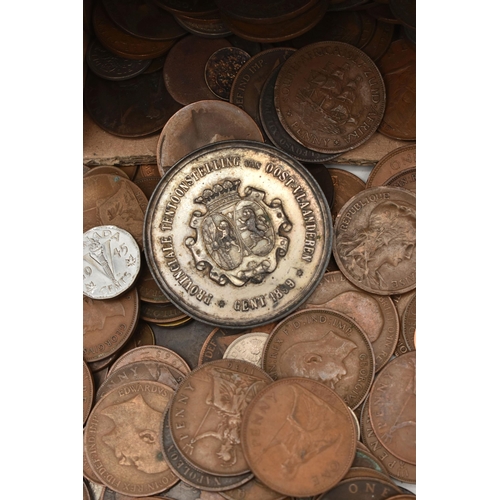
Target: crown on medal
pixel 220 195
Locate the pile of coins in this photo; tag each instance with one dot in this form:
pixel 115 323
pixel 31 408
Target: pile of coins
pixel 250 310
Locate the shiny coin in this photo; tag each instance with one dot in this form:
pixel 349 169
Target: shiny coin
pixel 111 262
pixel 248 347
pixel 237 233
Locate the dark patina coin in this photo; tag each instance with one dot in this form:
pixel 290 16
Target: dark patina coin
pixel 322 176
pixel 209 27
pixel 195 8
pixel 405 11
pixel 406 179
pixel 221 69
pixel 130 108
pixel 346 185
pixel 362 488
pixel 380 41
pixel 111 67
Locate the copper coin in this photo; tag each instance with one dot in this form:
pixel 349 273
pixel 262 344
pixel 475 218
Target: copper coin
pixel 191 475
pixel 253 490
pixel 206 412
pixel 362 489
pixel 298 437
pixel 406 179
pixel 147 178
pixel 108 324
pixel 106 169
pixel 392 407
pixel 368 26
pixel 275 130
pixel 86 494
pixel 380 41
pixel 88 473
pixel 391 164
pixel 141 370
pixel 200 124
pixel 195 8
pixel 160 313
pixel 376 315
pixel 330 97
pixel 152 353
pixel 221 69
pixel 123 439
pixel 185 491
pixel 404 11
pixel 143 336
pixel 213 27
pixel 248 347
pixel 382 12
pixel 107 65
pixel 148 289
pixel 112 200
pixel 189 85
pixel 102 364
pixel 409 323
pixel 237 234
pixel 249 81
pixel 88 392
pixel 401 301
pixel 398 68
pixel 364 458
pixel 143 19
pixel 365 472
pixel 345 185
pixel 322 345
pixel 129 108
pixel 122 43
pixel 375 238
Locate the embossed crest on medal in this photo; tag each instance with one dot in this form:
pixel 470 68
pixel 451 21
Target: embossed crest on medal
pixel 237 233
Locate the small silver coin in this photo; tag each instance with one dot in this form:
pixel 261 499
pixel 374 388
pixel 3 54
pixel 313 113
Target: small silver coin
pixel 248 347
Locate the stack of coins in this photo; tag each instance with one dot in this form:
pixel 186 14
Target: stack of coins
pixel 250 310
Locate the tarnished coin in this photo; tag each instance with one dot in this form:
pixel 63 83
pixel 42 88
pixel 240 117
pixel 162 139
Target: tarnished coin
pixel 148 289
pixel 108 324
pixel 408 324
pixel 364 458
pixel 368 26
pixel 88 392
pixel 375 239
pixel 221 69
pixel 160 313
pixel 217 343
pixel 406 179
pixel 211 27
pixel 206 412
pixel 380 41
pixel 248 347
pixel 123 439
pixel 111 262
pixel 88 473
pixel 404 11
pixel 392 407
pixel 298 437
pixel 253 490
pixel 323 178
pixel 401 301
pixel 147 178
pixel 143 336
pixel 200 124
pixel 362 488
pixel 322 345
pixel 86 494
pixel 330 97
pixel 195 8
pixel 391 164
pixel 237 233
pixel 345 185
pixel 106 169
pixel 152 353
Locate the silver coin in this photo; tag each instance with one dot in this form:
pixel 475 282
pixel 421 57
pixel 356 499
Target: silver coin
pixel 248 347
pixel 237 233
pixel 111 262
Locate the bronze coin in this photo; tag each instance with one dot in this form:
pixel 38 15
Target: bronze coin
pixel 152 353
pixel 148 289
pixel 275 130
pixel 147 178
pixel 406 179
pixel 141 370
pixel 326 346
pixel 212 27
pixel 376 315
pixel 195 8
pixel 360 488
pixel 298 437
pixel 404 11
pixel 206 412
pixel 391 164
pixel 382 12
pixel 398 68
pixel 221 69
pixel 109 66
pixel 122 43
pixel 368 26
pixel 130 108
pixel 189 85
pixel 143 19
pixel 253 490
pixel 123 439
pixel 160 313
pixel 108 324
pixel 392 407
pixel 112 200
pixel 249 81
pixel 88 473
pixel 142 336
pixel 101 364
pixel 364 458
pixel 365 472
pixel 375 238
pixel 401 301
pixel 226 240
pixel 409 323
pixel 200 124
pixel 106 169
pixel 330 97
pixel 88 391
pixel 339 5
pixel 345 185
pixel 191 475
pixel 380 41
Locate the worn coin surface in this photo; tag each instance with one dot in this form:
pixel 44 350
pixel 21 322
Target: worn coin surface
pixel 375 239
pixel 345 185
pixel 409 323
pixel 206 412
pixel 380 41
pixel 330 96
pixel 298 437
pixel 392 407
pixel 111 262
pixel 148 289
pixel 248 347
pixel 391 164
pixel 406 179
pixel 362 488
pixel 88 392
pixel 237 234
pixel 323 345
pixel 123 439
pixel 253 490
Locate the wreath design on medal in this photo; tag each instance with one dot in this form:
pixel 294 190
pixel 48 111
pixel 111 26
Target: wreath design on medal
pixel 238 237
